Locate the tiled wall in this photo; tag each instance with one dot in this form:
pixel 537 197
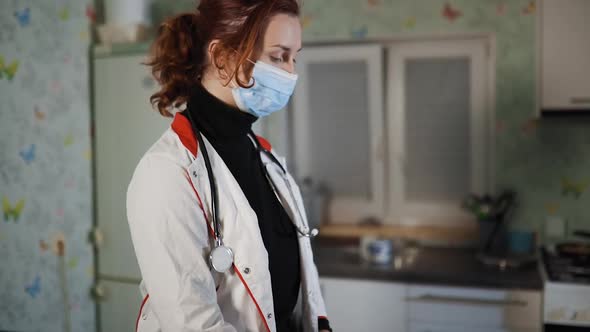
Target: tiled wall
pixel 46 264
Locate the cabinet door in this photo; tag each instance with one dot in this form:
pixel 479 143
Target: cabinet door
pixel 475 308
pixel 565 54
pixel 337 121
pixel 426 327
pixel 439 128
pixel 359 305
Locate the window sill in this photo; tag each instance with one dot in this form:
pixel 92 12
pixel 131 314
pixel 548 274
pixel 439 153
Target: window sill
pixel 456 235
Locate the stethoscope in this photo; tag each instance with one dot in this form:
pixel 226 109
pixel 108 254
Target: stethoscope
pixel 221 257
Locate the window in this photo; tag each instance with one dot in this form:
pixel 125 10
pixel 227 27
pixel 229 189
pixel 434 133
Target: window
pixel 337 120
pixel 399 132
pixel 438 129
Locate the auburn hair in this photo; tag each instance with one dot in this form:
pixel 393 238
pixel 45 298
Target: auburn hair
pixel 178 56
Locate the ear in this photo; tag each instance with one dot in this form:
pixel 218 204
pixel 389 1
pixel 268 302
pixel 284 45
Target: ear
pixel 217 66
pixel 210 50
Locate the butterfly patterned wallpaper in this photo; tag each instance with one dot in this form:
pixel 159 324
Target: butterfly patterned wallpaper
pixel 46 263
pixel 546 161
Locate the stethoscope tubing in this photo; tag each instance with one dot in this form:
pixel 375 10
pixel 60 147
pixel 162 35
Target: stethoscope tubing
pixel 213 185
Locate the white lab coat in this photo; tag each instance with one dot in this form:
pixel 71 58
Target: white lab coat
pixel 172 242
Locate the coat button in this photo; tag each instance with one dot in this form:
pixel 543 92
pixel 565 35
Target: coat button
pixel 195 173
pixel 269 316
pixel 247 270
pixel 144 316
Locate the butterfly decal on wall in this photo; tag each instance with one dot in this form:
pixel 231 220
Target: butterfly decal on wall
pixel 551 208
pixel 529 9
pixel 306 20
pixel 11 211
pixel 8 70
pixel 23 17
pixel 360 33
pixel 450 13
pixel 64 14
pixel 410 22
pixel 501 9
pixel 68 140
pixel 373 3
pixel 39 115
pixel 28 154
pixel 529 127
pixel 91 13
pixel 43 245
pixel 34 288
pixel 73 262
pixel 573 188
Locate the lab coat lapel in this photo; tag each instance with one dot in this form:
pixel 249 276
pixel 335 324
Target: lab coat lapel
pixel 239 226
pixel 238 221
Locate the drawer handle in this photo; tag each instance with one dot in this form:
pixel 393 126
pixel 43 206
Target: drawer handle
pixel 465 300
pixel 580 100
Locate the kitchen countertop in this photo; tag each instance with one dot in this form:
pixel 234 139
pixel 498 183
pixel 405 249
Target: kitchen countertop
pixel 426 265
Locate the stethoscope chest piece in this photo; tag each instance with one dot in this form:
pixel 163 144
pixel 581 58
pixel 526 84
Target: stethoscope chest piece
pixel 221 258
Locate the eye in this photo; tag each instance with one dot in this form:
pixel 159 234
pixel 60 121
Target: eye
pixel 275 59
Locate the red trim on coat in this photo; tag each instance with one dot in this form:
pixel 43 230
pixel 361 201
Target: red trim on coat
pixel 252 296
pixel 264 143
pixel 140 310
pixel 233 265
pixel 211 232
pixel 182 127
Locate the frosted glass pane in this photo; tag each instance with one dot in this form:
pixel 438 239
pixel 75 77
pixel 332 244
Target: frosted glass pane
pixel 339 127
pixel 437 129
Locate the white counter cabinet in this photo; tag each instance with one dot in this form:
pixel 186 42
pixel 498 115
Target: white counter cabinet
pixel 360 305
pixel 364 305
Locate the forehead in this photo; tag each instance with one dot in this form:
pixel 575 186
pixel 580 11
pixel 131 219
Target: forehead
pixel 283 30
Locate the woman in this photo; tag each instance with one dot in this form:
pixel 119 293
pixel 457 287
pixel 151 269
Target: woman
pixel 209 193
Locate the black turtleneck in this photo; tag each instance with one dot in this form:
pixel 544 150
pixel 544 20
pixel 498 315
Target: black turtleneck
pixel 227 130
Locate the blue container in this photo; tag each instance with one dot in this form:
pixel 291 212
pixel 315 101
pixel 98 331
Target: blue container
pixel 521 242
pixel 380 251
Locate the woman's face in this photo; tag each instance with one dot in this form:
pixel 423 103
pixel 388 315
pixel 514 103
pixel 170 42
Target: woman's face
pixel 282 42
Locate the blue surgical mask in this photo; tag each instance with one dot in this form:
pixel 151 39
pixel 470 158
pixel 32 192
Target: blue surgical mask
pixel 272 87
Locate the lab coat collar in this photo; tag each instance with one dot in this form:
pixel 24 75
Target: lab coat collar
pixel 182 127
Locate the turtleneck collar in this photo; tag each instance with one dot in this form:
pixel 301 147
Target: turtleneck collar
pixel 217 120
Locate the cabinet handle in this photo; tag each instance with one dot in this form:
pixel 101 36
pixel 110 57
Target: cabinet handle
pixel 98 292
pixel 580 100
pixel 96 237
pixel 125 280
pixel 465 300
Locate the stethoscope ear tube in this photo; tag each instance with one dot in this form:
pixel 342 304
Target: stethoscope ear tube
pixel 221 258
pixel 311 233
pixel 212 182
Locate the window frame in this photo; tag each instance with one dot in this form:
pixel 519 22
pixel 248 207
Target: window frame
pixel 345 209
pixel 401 211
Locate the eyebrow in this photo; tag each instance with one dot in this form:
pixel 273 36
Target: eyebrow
pixel 285 48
